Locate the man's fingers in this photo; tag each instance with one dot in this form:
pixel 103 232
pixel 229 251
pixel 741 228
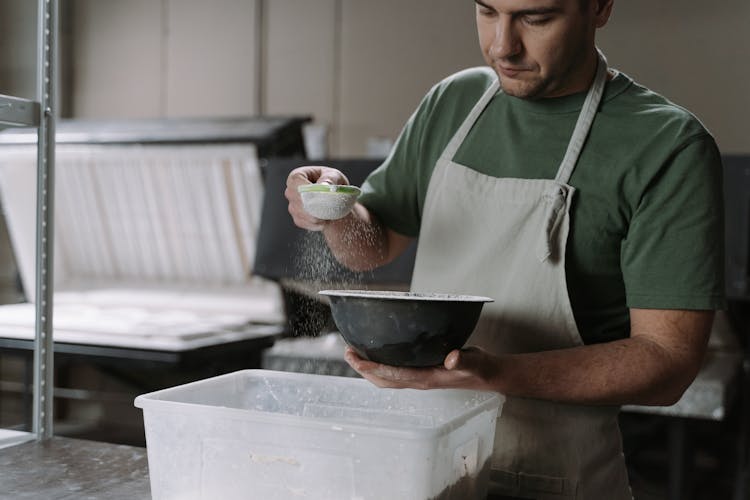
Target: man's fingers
pixel 356 362
pixel 383 375
pixel 332 176
pixel 467 359
pixel 303 219
pixel 313 174
pixel 371 368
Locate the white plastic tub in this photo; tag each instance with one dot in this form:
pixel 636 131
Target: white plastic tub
pixel 261 434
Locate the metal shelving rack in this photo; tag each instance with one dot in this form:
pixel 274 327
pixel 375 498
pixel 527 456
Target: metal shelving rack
pixel 40 113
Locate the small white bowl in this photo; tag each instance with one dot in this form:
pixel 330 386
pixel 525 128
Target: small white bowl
pixel 328 201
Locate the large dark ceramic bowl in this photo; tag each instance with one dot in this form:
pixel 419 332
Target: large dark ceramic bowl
pixel 404 328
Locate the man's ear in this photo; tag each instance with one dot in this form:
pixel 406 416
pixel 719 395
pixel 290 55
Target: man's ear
pixel 603 11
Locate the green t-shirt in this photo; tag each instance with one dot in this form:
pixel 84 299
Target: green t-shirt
pixel 647 218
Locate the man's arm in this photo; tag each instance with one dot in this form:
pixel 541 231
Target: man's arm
pixel 361 242
pixel 653 367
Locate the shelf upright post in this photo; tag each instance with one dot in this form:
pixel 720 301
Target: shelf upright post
pixel 46 94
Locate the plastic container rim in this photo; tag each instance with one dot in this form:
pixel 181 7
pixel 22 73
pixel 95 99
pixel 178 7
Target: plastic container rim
pixel 149 401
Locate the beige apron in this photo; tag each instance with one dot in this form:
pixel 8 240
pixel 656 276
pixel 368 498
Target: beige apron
pixel 505 238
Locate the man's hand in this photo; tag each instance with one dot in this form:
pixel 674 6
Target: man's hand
pixel 470 368
pixel 358 241
pixel 309 175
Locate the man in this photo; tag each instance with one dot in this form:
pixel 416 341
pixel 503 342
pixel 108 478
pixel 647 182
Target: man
pixel 587 206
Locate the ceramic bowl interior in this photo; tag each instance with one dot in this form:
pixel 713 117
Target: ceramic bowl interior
pixel 404 328
pixel 328 201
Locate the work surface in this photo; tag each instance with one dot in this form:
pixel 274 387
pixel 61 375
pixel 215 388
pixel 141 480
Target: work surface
pixel 68 469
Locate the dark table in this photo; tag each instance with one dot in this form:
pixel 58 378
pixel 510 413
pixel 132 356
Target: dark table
pixel 73 469
pixel 143 369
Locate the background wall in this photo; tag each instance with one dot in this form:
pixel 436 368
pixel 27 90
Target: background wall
pixel 358 66
pixel 146 58
pixel 18 48
pixel 694 52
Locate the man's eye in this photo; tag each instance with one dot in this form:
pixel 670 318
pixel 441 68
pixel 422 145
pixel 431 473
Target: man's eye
pixel 484 11
pixel 536 20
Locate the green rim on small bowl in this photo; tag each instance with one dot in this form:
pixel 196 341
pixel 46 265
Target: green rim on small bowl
pixel 328 188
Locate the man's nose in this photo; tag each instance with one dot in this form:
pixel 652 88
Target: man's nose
pixel 506 42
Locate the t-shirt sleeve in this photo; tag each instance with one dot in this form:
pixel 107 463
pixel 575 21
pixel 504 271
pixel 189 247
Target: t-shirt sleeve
pixel 673 255
pixel 392 190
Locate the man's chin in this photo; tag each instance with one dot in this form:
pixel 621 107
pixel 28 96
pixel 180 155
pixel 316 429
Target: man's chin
pixel 522 89
pixel 518 91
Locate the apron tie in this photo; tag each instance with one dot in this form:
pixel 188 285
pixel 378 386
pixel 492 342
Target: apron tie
pixel 554 201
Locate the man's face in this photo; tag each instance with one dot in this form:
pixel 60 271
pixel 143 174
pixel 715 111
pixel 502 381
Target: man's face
pixel 541 48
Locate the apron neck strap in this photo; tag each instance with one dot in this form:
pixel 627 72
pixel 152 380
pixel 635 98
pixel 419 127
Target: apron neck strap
pixel 458 138
pixel 585 119
pixel 581 131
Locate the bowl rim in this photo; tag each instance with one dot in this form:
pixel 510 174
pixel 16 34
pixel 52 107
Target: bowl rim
pixel 329 188
pixel 405 296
